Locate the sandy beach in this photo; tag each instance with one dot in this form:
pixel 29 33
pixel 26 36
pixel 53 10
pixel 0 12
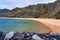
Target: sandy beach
pixel 52 24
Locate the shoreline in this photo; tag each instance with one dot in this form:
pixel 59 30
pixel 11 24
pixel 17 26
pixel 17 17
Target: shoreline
pixel 45 22
pixel 54 28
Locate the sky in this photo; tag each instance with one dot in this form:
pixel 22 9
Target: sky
pixel 10 4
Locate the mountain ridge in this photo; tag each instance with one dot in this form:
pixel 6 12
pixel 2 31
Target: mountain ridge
pixel 36 11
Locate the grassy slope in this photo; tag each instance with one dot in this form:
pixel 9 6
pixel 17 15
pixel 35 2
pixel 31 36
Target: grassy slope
pixel 36 11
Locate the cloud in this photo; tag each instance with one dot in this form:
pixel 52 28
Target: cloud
pixel 21 3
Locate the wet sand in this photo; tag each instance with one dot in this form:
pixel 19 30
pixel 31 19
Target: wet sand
pixel 52 24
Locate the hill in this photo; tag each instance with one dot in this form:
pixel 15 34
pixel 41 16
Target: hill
pixel 51 10
pixel 3 12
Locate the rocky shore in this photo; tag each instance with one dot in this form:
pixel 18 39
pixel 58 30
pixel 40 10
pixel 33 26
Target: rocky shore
pixel 28 36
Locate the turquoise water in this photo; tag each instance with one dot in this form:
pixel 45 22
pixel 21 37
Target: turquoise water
pixel 7 25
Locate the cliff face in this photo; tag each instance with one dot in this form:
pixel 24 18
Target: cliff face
pixel 56 9
pixel 40 10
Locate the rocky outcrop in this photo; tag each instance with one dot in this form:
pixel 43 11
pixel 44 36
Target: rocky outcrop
pixel 56 8
pixel 28 36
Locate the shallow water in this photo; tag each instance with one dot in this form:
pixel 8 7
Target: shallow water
pixel 20 25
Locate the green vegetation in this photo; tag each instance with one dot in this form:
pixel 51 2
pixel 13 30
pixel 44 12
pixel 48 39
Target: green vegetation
pixel 50 10
pixel 57 16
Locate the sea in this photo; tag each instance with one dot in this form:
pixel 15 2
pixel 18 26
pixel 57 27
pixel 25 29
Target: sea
pixel 19 25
